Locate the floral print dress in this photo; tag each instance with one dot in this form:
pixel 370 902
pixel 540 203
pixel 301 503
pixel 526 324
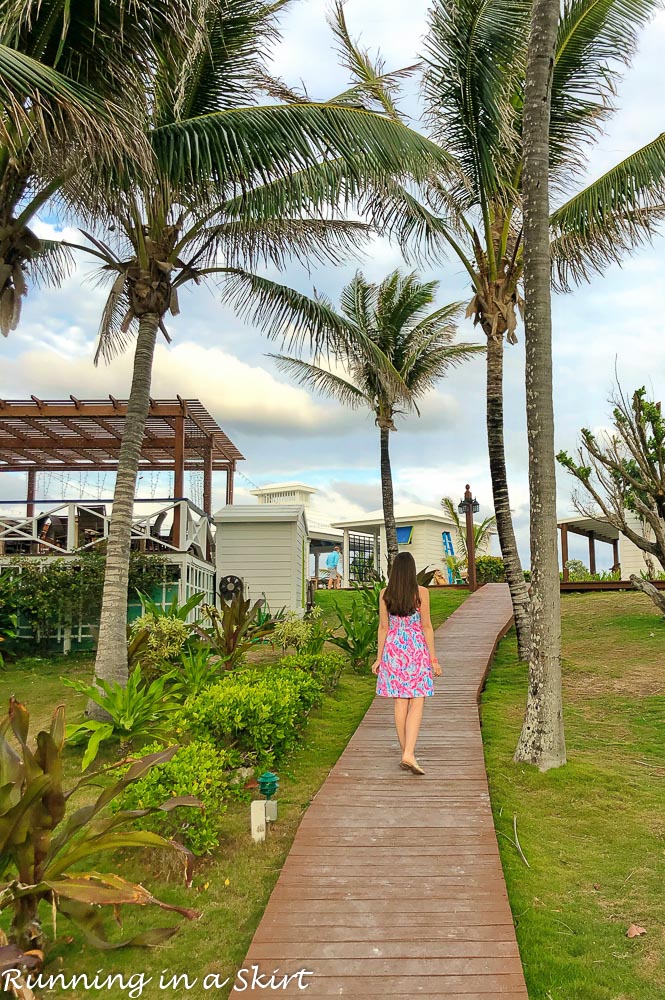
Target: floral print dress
pixel 405 670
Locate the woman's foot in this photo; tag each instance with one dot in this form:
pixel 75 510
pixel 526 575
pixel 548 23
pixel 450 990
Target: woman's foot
pixel 411 764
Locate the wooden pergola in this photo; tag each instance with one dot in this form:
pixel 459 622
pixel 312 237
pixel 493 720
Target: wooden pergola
pixel 596 530
pixel 76 435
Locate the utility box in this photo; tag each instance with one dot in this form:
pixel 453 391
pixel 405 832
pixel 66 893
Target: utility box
pixel 267 547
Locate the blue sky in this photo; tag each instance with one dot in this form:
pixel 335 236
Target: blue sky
pixel 286 433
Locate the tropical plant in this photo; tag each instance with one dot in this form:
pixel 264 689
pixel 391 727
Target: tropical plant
pixel 231 630
pixel 43 840
pixel 473 86
pixel 425 576
pixel 197 670
pixel 359 634
pixel 307 634
pixel 200 768
pixel 541 740
pixel 390 348
pixel 188 216
pixel 62 118
pixel 482 531
pixel 135 712
pixel 8 615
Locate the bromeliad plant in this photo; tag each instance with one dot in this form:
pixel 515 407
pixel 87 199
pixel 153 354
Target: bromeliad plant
pixel 43 839
pixel 232 629
pixel 135 712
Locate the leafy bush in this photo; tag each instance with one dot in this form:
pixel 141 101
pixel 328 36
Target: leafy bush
pixel 158 637
pixel 8 616
pixel 360 636
pixel 199 769
pixel 43 839
pixel 137 712
pixel 306 634
pixel 196 671
pixel 259 712
pixel 52 592
pixel 490 569
pixel 326 667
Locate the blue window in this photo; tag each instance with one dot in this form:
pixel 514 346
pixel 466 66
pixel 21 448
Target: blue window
pixel 447 543
pixel 404 534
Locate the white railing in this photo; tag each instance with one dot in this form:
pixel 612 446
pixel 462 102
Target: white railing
pixel 75 526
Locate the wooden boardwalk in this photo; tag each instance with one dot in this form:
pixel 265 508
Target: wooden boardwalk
pixel 393 886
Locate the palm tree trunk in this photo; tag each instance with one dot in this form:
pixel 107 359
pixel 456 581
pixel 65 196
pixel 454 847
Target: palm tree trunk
pixel 111 660
pixel 388 499
pixel 504 522
pixel 542 738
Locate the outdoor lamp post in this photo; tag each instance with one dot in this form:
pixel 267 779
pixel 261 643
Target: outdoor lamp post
pixel 470 506
pixel 268 785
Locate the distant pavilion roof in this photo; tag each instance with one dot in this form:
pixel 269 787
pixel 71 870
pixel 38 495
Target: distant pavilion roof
pixel 73 434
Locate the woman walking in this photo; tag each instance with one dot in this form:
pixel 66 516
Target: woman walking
pixel 406 660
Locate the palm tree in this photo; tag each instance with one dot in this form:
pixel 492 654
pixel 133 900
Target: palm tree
pixel 473 87
pixel 185 217
pixel 481 532
pixel 542 738
pixel 61 117
pixel 393 350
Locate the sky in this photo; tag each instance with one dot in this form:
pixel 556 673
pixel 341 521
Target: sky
pixel 611 325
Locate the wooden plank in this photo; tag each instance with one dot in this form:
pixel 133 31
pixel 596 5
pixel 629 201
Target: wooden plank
pixel 394 886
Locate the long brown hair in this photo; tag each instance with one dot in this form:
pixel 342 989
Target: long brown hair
pixel 401 596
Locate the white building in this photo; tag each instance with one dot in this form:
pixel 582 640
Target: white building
pixel 428 533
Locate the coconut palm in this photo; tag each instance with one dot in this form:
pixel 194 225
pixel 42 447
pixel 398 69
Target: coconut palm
pixel 392 349
pixel 185 218
pixel 542 737
pixel 482 532
pixel 61 116
pixel 473 86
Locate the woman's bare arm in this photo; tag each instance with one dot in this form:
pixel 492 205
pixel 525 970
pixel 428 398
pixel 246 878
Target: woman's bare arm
pixel 428 630
pixel 383 632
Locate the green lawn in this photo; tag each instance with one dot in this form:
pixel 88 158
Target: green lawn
pixel 593 832
pixel 232 887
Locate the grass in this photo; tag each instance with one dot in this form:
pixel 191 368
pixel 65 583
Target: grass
pixel 442 602
pixel 230 888
pixel 593 831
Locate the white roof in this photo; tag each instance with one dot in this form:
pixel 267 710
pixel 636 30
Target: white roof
pixel 600 526
pixel 404 513
pixel 240 512
pixel 283 488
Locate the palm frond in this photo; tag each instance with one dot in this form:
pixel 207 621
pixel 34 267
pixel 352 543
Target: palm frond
pixel 369 76
pixel 244 146
pixel 247 243
pixel 117 326
pixel 325 382
pixel 50 264
pixel 596 39
pixel 474 56
pixel 617 212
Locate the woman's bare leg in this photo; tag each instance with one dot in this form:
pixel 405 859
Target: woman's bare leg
pixel 401 708
pixel 412 728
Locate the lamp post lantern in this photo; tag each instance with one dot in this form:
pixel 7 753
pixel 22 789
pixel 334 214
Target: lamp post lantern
pixel 470 506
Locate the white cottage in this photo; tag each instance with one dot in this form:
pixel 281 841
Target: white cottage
pixel 428 533
pixel 267 547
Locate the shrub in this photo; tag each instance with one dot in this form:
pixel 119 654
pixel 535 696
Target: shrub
pixel 231 630
pixel 490 569
pixel 259 712
pixel 325 667
pixel 306 634
pixel 360 634
pixel 200 769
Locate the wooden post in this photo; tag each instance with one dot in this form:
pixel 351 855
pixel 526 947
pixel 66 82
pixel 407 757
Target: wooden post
pixel 229 482
pixel 615 547
pixel 564 552
pixel 470 539
pixel 178 479
pixel 30 495
pixel 592 553
pixel 207 481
